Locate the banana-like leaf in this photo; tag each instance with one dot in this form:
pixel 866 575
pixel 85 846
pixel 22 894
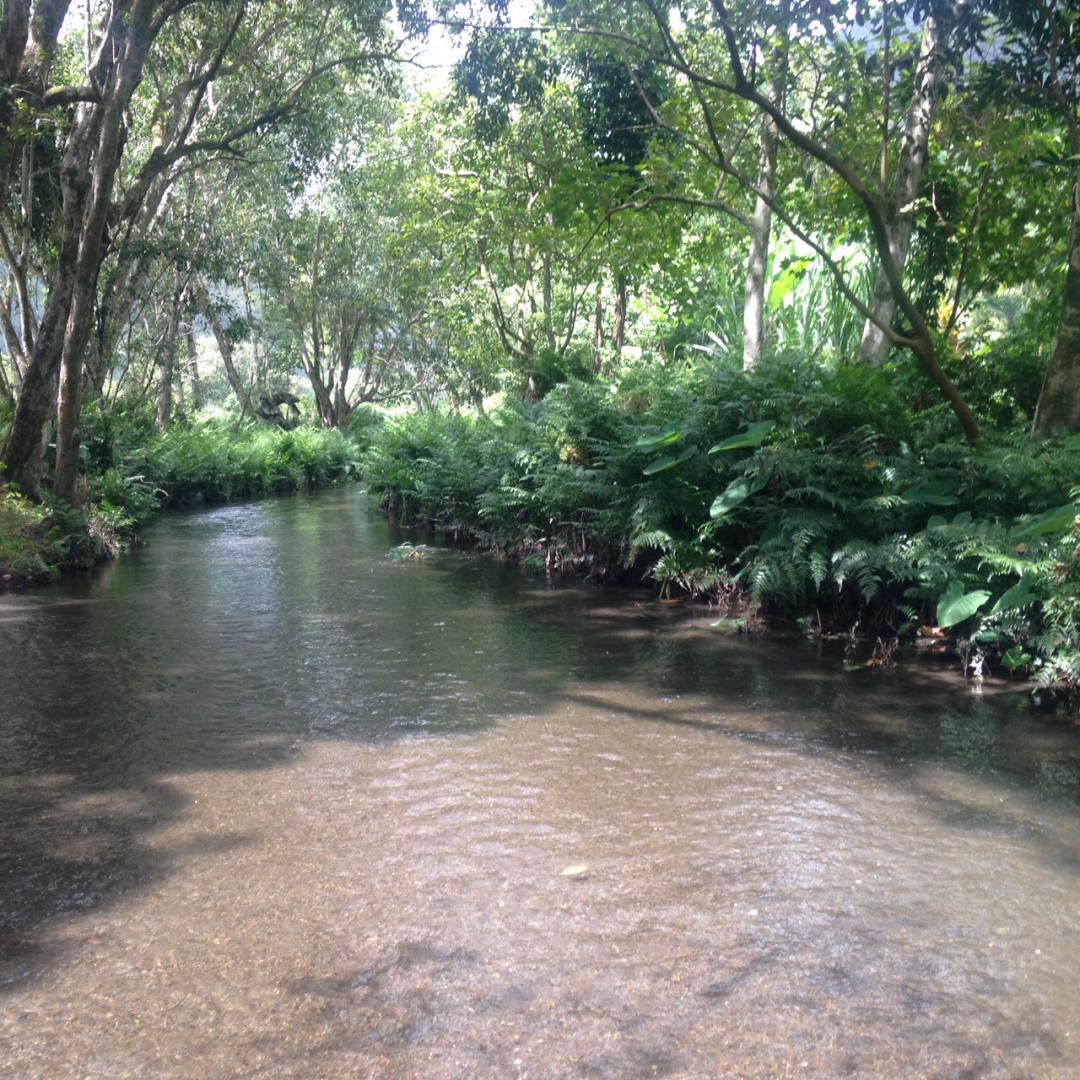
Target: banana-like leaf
pixel 654 442
pixel 1015 658
pixel 1016 597
pixel 738 491
pixel 753 436
pixel 956 605
pixel 669 462
pixel 931 493
pixel 1061 517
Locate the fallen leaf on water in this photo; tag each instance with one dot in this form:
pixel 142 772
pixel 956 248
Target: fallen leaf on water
pixel 577 870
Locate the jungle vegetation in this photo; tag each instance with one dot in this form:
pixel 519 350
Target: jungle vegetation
pixel 775 302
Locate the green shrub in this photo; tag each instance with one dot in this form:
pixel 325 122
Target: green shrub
pixel 806 488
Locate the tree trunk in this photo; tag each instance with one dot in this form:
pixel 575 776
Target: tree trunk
pixel 168 359
pixel 193 369
pixel 618 323
pixel 324 402
pixel 1059 399
pixel 14 31
pixel 757 262
pixel 874 347
pixel 758 259
pixel 87 172
pixel 22 452
pixel 225 348
pixel 130 37
pixel 598 334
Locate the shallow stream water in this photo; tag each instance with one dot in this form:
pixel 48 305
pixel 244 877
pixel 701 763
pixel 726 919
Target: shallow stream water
pixel 274 803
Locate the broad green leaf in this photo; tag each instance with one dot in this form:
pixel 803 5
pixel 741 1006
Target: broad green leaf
pixel 669 462
pixel 1015 658
pixel 1073 443
pixel 786 282
pixel 932 493
pixel 754 436
pixel 1061 517
pixel 1016 597
pixel 736 492
pixel 955 605
pixel 653 442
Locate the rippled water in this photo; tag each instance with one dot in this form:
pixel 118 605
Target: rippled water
pixel 275 804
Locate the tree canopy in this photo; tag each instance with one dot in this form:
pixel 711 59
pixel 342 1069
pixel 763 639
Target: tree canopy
pixel 280 193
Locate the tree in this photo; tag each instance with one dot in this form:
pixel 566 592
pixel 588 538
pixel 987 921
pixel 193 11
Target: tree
pixel 196 54
pixel 910 162
pixel 1036 47
pixel 760 223
pixel 706 51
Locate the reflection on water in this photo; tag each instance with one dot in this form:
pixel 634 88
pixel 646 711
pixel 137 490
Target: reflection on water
pixel 275 803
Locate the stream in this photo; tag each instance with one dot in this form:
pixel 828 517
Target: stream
pixel 274 802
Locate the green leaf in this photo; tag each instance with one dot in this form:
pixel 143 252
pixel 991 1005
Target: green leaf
pixel 1015 658
pixel 654 442
pixel 931 493
pixel 955 605
pixel 669 462
pixel 786 282
pixel 1016 597
pixel 1073 443
pixel 753 436
pixel 736 492
pixel 1061 517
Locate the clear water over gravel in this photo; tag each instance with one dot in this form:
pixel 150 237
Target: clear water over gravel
pixel 273 803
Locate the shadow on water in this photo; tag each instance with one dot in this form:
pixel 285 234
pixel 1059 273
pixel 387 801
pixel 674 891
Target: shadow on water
pixel 242 635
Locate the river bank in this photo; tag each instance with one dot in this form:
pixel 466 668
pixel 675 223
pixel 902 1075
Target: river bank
pixel 37 542
pixel 812 498
pixel 138 472
pixel 761 495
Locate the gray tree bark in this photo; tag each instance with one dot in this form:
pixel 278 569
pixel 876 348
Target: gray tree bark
pixel 225 348
pixel 193 369
pixel 874 347
pixel 119 70
pixel 87 173
pixel 167 366
pixel 757 261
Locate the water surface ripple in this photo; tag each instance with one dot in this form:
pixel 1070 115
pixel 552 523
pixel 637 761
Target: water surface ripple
pixel 273 803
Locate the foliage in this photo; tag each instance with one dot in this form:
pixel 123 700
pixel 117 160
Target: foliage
pixel 547 260
pixel 202 463
pixel 215 462
pixel 804 488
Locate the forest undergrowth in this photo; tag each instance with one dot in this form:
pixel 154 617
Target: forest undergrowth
pixel 131 471
pixel 810 496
